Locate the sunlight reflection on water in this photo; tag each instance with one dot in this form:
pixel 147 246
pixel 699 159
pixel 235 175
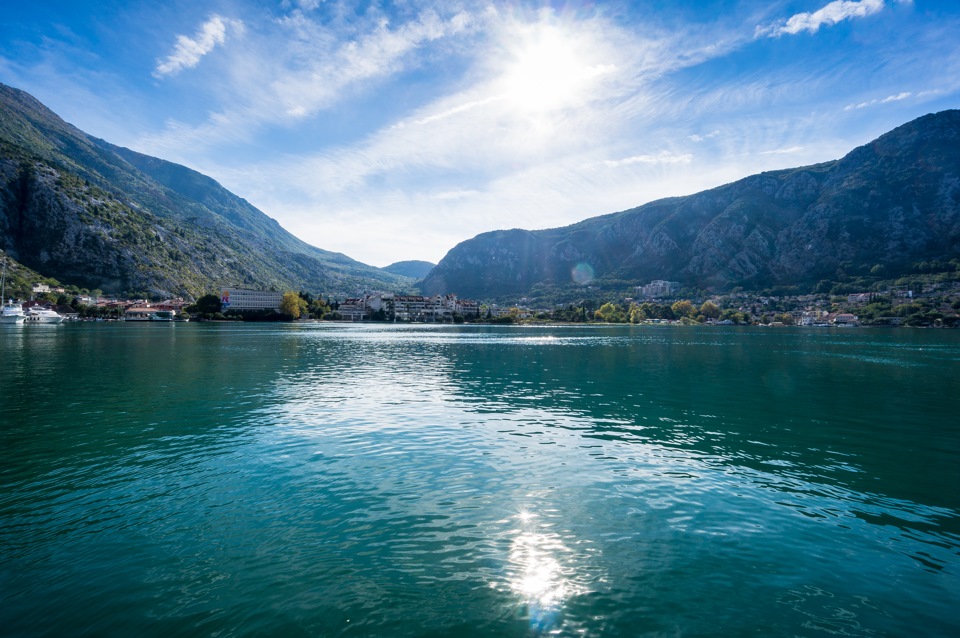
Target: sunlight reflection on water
pixel 540 571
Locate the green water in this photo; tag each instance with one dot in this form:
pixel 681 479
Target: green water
pixel 335 480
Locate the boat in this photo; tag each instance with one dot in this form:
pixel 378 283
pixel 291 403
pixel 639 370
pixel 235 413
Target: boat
pixel 139 313
pixel 42 315
pixel 11 312
pixel 150 314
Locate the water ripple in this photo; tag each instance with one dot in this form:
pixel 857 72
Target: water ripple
pixel 416 481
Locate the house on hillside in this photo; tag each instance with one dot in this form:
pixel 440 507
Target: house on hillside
pixel 845 319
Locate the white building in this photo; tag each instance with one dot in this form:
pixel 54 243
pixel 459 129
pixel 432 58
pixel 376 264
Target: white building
pixel 845 319
pixel 243 299
pixel 354 309
pixel 659 288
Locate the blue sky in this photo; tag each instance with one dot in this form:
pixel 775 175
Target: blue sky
pixel 393 131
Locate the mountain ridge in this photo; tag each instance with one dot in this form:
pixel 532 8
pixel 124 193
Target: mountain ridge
pixel 78 208
pixel 889 202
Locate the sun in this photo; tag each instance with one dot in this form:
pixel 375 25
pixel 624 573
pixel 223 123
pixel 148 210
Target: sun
pixel 548 68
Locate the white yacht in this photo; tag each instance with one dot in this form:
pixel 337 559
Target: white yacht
pixel 12 313
pixel 42 315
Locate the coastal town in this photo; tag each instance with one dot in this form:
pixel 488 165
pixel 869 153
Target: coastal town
pixel 658 302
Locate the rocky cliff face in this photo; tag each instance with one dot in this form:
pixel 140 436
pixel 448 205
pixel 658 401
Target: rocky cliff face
pixel 892 202
pixel 96 215
pixel 65 227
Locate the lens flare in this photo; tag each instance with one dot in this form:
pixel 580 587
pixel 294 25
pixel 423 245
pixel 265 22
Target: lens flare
pixel 582 274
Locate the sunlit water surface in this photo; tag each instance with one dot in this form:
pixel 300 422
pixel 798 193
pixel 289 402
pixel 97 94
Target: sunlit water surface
pixel 378 480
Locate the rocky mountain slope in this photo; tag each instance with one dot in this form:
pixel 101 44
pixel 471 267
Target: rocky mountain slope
pixel 92 214
pixel 889 203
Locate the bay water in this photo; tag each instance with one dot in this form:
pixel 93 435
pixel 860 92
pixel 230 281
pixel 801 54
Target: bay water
pixel 413 480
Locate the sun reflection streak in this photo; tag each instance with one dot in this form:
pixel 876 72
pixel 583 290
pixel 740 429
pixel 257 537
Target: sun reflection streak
pixel 537 575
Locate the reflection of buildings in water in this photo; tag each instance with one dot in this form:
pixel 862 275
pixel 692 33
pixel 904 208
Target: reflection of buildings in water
pixel 407 308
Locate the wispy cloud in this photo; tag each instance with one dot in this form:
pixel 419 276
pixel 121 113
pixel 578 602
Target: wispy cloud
pixel 829 15
pixel 188 51
pixel 664 157
pixel 312 72
pixel 701 138
pixel 454 110
pixel 377 54
pixel 890 98
pixel 454 195
pixel 790 150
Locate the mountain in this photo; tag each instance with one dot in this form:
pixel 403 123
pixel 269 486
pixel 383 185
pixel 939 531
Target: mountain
pixel 890 203
pixel 415 269
pixel 92 214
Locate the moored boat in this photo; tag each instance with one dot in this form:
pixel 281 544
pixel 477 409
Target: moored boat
pixel 42 315
pixel 162 315
pixel 12 313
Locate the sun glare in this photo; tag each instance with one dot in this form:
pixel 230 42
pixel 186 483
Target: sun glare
pixel 549 69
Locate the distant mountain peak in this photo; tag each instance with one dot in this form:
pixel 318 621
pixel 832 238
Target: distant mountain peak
pixel 415 269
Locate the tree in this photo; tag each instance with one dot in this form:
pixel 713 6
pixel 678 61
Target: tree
pixel 709 310
pixel 649 310
pixel 734 316
pixel 206 305
pixel 319 308
pixel 610 313
pixel 682 309
pixel 292 304
pixel 636 314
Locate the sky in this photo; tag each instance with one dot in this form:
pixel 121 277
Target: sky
pixel 392 131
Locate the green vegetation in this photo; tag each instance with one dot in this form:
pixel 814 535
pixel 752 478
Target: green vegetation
pixel 293 305
pixel 99 216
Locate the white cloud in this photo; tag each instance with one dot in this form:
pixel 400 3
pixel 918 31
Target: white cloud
pixel 829 15
pixel 790 150
pixel 451 195
pixel 320 67
pixel 188 52
pixel 701 138
pixel 454 110
pixel 887 100
pixel 664 157
pixel 312 71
